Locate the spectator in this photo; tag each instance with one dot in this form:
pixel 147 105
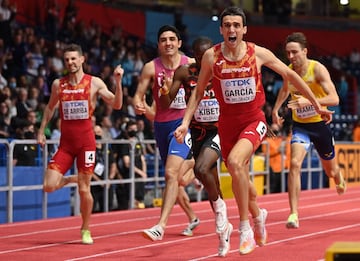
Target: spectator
pixel 140 168
pixel 7 15
pixel 33 97
pixel 22 106
pixel 106 125
pixel 25 154
pixel 52 19
pixel 55 134
pixel 56 63
pixel 98 191
pixel 17 59
pixel 277 157
pixel 5 120
pixel 342 88
pixel 36 55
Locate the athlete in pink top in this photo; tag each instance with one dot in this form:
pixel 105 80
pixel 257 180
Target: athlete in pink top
pixel 167 119
pixel 234 66
pixel 76 95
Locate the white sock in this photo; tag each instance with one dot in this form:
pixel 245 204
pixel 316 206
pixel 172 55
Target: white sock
pixel 244 225
pixel 218 204
pixel 258 219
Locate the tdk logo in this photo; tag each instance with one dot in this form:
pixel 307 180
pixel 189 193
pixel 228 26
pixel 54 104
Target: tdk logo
pixel 237 82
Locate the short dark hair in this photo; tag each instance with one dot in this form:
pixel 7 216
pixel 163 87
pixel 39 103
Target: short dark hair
pixel 200 41
pixel 130 123
pixel 297 37
pixel 233 11
pixel 73 48
pixel 167 27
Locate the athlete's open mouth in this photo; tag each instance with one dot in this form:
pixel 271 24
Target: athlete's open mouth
pixel 232 38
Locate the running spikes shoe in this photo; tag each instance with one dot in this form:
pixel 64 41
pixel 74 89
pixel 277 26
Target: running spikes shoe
pixel 260 229
pixel 293 221
pixel 247 242
pixel 341 187
pixel 155 233
pixel 86 237
pixel 188 231
pixel 224 240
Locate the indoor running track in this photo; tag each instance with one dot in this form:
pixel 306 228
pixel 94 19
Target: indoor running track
pixel 325 218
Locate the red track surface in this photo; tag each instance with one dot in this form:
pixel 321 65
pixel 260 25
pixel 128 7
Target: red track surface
pixel 325 218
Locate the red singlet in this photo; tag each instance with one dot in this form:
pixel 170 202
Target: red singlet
pixel 77 138
pixel 239 91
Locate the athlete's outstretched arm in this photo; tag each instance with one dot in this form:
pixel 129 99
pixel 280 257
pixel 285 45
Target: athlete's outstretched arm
pixel 267 58
pixel 205 76
pixel 283 94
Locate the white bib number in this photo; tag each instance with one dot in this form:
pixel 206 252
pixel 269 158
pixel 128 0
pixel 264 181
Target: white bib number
pixel 75 110
pixel 179 101
pixel 238 90
pixel 207 111
pixel 305 112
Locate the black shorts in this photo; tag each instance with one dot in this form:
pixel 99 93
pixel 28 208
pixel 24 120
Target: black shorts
pixel 319 134
pixel 202 138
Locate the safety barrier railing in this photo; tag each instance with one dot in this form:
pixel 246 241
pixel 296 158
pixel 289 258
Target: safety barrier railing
pixel 8 187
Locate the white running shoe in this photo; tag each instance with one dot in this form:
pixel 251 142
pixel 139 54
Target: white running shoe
pixel 247 241
pixel 155 233
pixel 192 225
pixel 224 240
pixel 260 229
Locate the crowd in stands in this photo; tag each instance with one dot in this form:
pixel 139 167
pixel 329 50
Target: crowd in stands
pixel 31 58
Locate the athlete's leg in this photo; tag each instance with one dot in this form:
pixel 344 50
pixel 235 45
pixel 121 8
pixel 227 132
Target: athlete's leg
pixel 187 168
pixel 298 153
pixel 184 201
pixel 172 167
pixel 253 205
pixel 206 171
pixel 333 171
pixel 237 164
pixel 55 180
pixel 238 169
pixel 86 199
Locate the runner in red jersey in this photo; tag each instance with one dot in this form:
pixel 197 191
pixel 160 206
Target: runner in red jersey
pixel 235 68
pixel 76 95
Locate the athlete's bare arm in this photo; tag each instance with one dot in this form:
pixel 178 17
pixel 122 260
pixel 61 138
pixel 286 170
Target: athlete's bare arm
pixel 322 76
pixel 283 94
pixel 173 85
pixel 197 94
pixel 147 74
pixel 267 58
pixel 101 88
pixel 150 111
pixel 49 111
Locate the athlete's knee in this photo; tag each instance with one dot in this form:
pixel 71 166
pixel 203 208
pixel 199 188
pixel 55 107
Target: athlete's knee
pixel 295 164
pixel 52 181
pixel 235 165
pixel 49 187
pixel 201 169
